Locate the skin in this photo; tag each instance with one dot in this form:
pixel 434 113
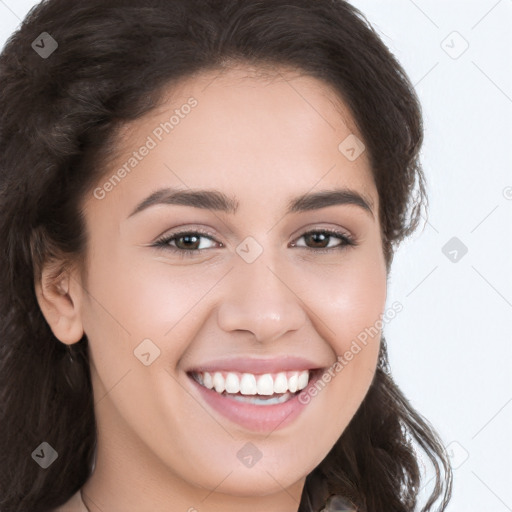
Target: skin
pixel 263 141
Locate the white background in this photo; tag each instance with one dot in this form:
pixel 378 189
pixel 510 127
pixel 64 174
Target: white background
pixel 450 348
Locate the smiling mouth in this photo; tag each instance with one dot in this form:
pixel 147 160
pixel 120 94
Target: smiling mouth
pixel 258 389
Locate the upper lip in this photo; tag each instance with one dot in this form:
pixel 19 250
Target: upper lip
pixel 257 365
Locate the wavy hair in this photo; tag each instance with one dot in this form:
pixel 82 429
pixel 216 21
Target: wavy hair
pixel 60 118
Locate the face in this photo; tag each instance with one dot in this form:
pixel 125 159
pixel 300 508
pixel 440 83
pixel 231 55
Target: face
pixel 244 279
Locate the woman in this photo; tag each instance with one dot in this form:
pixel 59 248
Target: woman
pixel 200 204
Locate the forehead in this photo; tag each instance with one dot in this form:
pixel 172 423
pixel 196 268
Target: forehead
pixel 250 130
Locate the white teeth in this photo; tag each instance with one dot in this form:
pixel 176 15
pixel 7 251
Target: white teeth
pixel 280 383
pixel 293 382
pixel 232 383
pixel 303 380
pixel 266 385
pixel 250 384
pixel 218 382
pixel 263 401
pixel 207 380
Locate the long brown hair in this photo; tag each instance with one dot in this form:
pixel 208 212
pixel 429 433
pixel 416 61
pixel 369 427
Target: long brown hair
pixel 60 113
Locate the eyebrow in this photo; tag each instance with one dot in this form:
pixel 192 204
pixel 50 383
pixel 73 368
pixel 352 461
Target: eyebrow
pixel 216 200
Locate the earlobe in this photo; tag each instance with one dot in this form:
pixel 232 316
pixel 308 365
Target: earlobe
pixel 60 301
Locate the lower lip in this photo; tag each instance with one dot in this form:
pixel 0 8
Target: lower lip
pixel 258 418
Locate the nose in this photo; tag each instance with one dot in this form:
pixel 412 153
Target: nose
pixel 260 300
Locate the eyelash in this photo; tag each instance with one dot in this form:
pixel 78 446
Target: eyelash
pixel 163 242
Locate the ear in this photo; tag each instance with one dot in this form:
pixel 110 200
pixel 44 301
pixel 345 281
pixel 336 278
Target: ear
pixel 59 294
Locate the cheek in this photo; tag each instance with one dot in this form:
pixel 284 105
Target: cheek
pixel 133 300
pixel 346 298
pixel 348 309
pixel 142 296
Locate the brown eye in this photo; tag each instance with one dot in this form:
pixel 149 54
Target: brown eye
pixel 185 243
pixel 189 241
pixel 318 240
pixel 324 240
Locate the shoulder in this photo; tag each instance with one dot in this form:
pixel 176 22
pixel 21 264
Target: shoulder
pixel 74 504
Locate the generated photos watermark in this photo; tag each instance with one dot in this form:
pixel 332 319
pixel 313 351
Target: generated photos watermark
pixel 356 347
pixel 152 141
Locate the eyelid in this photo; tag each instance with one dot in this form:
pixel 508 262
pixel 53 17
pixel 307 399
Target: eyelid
pixel 182 232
